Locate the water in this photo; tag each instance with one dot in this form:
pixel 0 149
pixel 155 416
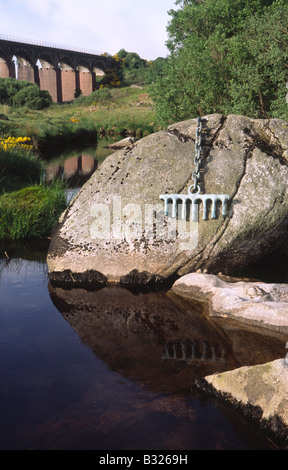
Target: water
pixel 112 370
pixel 75 165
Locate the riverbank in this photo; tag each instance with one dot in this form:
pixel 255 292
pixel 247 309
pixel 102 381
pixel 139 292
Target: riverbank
pixel 28 206
pixel 114 112
pixel 119 112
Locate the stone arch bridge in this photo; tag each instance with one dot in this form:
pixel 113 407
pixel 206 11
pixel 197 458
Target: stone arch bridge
pixel 57 69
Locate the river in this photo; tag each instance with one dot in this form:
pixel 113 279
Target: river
pixel 112 369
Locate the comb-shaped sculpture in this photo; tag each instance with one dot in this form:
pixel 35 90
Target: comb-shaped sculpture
pixel 194 197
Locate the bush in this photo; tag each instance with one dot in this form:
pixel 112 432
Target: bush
pixel 21 93
pixel 32 97
pixel 102 96
pixel 227 57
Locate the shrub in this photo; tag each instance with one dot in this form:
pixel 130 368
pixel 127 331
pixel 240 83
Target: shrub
pixel 102 96
pixel 32 97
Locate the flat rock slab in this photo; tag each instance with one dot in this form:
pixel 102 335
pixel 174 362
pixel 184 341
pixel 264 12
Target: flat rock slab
pixel 254 303
pixel 115 230
pixel 261 392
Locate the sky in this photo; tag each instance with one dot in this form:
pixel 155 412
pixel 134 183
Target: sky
pixel 98 25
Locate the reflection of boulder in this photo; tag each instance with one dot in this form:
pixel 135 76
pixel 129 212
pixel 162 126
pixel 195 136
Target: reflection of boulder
pixel 152 339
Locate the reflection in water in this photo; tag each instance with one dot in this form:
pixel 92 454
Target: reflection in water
pixel 76 166
pixel 121 378
pixel 77 170
pixel 159 341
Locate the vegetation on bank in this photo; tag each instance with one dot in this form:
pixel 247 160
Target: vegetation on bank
pixel 28 207
pixel 18 168
pixel 21 93
pixel 115 111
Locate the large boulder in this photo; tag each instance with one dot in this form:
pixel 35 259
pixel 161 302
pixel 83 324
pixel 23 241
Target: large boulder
pixel 108 233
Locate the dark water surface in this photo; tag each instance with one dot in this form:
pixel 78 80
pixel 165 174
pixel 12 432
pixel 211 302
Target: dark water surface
pixel 110 370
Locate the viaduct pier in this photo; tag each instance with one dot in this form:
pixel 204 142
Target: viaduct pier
pixel 57 69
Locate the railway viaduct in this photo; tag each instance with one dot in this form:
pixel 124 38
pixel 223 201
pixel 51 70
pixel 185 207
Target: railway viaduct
pixel 57 69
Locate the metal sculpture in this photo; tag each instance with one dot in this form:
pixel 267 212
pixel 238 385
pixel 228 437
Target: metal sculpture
pixel 194 197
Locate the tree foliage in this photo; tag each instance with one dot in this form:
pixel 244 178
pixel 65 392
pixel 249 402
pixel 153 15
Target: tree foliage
pixel 130 69
pixel 226 56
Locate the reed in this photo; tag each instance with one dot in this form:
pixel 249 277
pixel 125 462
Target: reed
pixel 19 168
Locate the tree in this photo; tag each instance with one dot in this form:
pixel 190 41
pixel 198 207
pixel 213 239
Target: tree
pixel 226 56
pixel 133 67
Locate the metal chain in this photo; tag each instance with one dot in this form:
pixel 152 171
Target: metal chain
pixel 197 160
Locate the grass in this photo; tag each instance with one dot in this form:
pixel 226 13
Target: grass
pixel 127 111
pixel 31 212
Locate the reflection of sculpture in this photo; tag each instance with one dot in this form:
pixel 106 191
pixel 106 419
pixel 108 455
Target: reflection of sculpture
pixel 136 334
pixel 189 351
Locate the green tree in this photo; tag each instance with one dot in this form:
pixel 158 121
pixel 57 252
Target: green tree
pixel 133 67
pixel 226 56
pixel 155 70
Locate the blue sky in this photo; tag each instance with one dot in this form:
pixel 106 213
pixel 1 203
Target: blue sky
pixel 99 25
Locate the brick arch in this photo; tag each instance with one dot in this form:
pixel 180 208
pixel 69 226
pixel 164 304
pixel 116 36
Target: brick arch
pixel 49 76
pixel 7 66
pixel 26 65
pixel 69 78
pixel 86 77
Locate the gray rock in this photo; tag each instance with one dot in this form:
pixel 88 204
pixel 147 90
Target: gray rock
pixel 122 143
pixel 260 392
pixel 255 303
pixel 108 227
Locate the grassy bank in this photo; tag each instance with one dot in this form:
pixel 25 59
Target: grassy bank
pixel 28 207
pixel 30 212
pixel 122 111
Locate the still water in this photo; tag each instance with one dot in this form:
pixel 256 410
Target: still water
pixel 112 369
pixel 76 165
